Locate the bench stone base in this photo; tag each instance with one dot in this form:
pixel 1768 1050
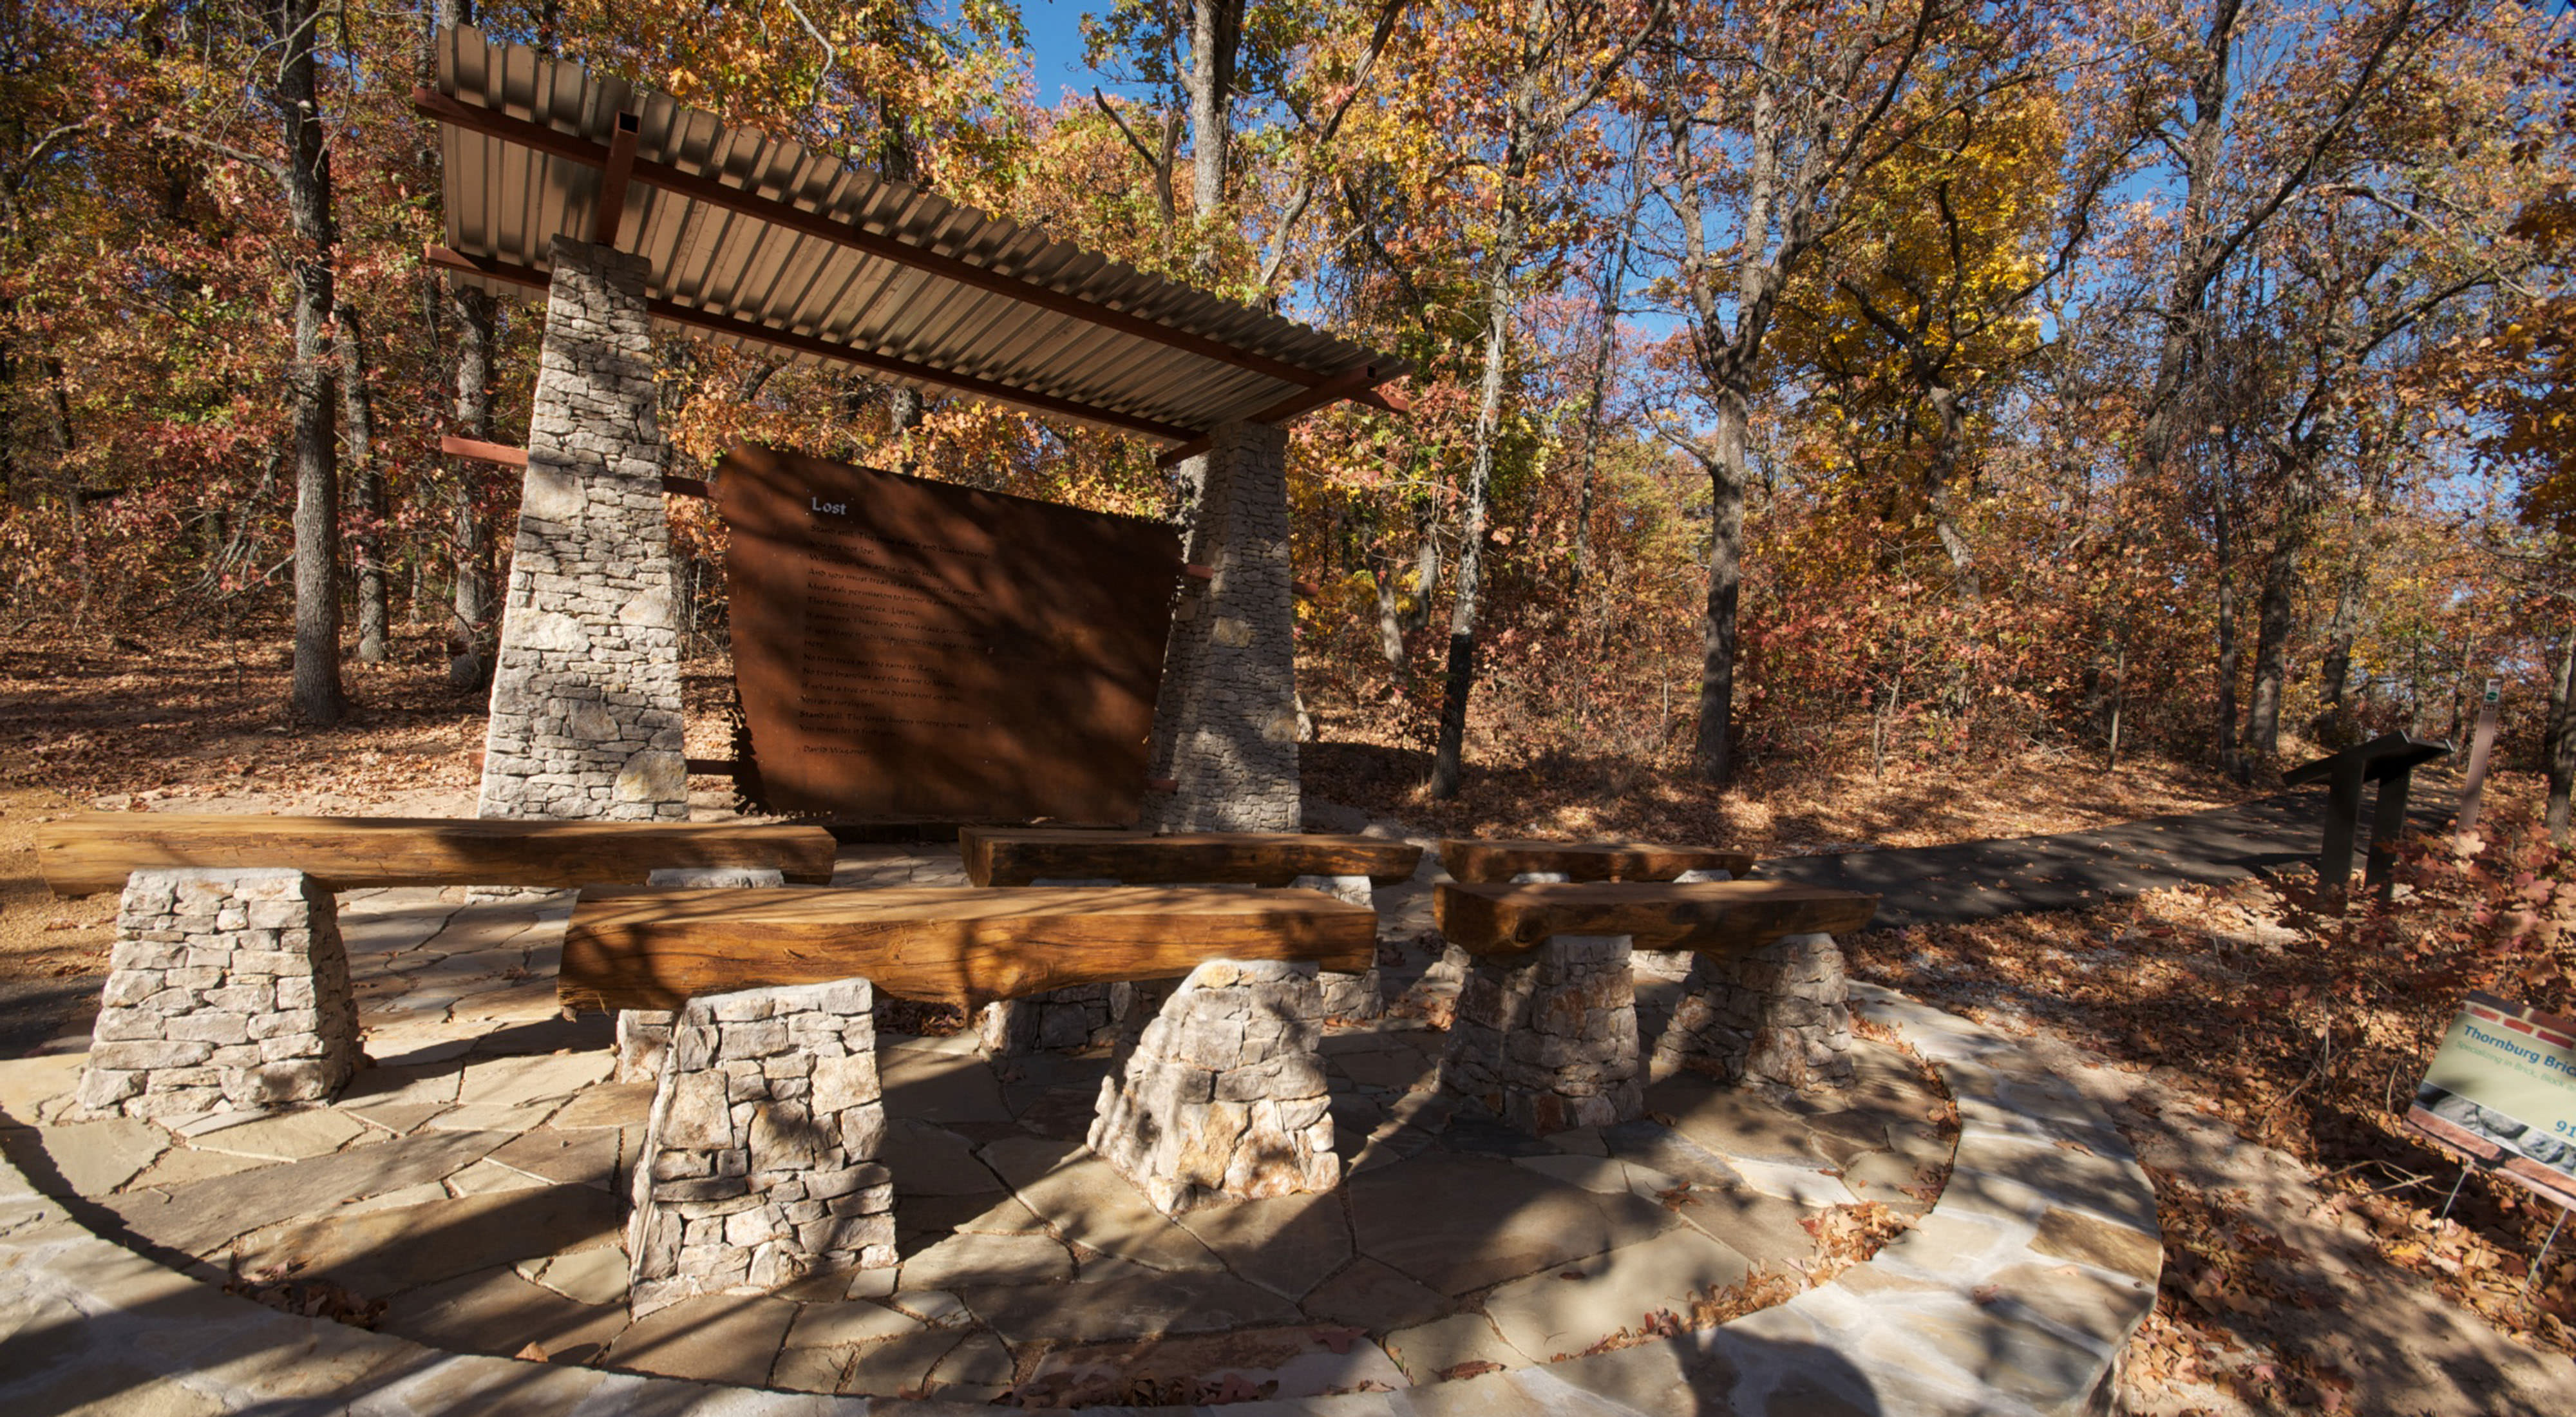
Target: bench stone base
pixel 1353 998
pixel 1676 964
pixel 759 1162
pixel 644 1035
pixel 1780 1014
pixel 227 990
pixel 1547 1040
pixel 1225 1095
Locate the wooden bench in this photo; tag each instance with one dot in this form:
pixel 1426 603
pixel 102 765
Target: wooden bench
pixel 98 850
pixel 1767 997
pixel 1015 856
pixel 656 948
pixel 1714 917
pixel 1481 861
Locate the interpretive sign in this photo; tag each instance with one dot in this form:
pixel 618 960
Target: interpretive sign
pixel 909 650
pixel 2502 1089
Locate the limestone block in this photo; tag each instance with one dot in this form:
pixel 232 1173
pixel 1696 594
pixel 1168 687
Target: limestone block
pixel 1225 1096
pixel 752 1178
pixel 1353 997
pixel 1780 1014
pixel 227 989
pixel 1547 1041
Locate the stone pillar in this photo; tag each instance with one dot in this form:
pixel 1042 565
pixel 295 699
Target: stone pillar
pixel 1225 725
pixel 644 1035
pixel 1225 1096
pixel 759 1161
pixel 1676 964
pixel 1352 997
pixel 1083 1016
pixel 586 694
pixel 1780 1014
pixel 1547 1039
pixel 226 989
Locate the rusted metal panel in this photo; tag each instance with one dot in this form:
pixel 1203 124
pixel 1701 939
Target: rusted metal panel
pixel 910 650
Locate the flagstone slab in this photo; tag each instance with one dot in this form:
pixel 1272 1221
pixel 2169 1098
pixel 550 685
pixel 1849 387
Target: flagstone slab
pixel 28 1084
pixel 1135 1306
pixel 489 1177
pixel 1459 1223
pixel 520 1082
pixel 1592 1173
pixel 900 1365
pixel 1564 1311
pixel 722 1338
pixel 180 1165
pixel 1735 1125
pixel 202 1215
pixel 930 1160
pixel 1764 1229
pixel 496 1311
pixel 606 1104
pixel 1085 1200
pixel 286 1136
pixel 973 1260
pixel 1285 1244
pixel 1458 1346
pixel 1285 1363
pixel 939 1086
pixel 593 1276
pixel 848 1324
pixel 1377 1297
pixel 811 1369
pixel 94 1158
pixel 583 1158
pixel 1807 1184
pixel 388 1251
pixel 386 1085
pixel 981 1362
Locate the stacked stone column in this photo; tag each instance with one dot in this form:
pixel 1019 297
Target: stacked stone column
pixel 759 1163
pixel 586 693
pixel 1225 725
pixel 1780 1014
pixel 1225 1096
pixel 1546 1040
pixel 226 989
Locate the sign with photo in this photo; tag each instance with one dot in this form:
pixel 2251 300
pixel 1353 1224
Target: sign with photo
pixel 2502 1089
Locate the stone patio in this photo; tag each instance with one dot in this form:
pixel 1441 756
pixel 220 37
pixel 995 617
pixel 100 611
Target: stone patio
pixel 462 1195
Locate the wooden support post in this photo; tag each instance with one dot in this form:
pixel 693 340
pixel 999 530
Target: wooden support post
pixel 2388 822
pixel 613 179
pixel 2343 819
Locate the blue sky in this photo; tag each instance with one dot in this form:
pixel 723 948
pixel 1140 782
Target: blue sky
pixel 1055 42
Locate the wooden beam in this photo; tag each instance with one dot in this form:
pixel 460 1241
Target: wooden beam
pixel 1721 917
pixel 554 142
pixel 1333 391
pixel 613 178
pixel 1015 856
pixel 656 949
pixel 1470 860
pixel 693 318
pixel 687 487
pixel 501 453
pixel 96 851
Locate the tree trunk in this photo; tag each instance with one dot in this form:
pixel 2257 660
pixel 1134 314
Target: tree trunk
pixel 1445 766
pixel 317 695
pixel 1940 472
pixel 2272 645
pixel 472 549
pixel 2559 745
pixel 1714 752
pixel 366 491
pixel 2230 653
pixel 2334 668
pixel 1216 36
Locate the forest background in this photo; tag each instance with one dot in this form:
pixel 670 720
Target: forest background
pixel 1798 381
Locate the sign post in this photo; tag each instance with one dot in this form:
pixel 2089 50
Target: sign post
pixel 2479 746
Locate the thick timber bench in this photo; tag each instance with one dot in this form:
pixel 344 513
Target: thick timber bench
pixel 1546 1029
pixel 1348 866
pixel 759 1162
pixel 1482 861
pixel 228 986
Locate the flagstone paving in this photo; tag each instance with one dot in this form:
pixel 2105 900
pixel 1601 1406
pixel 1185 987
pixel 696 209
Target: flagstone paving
pixel 471 1189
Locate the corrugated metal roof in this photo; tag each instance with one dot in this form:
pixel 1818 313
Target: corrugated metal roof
pixel 506 201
